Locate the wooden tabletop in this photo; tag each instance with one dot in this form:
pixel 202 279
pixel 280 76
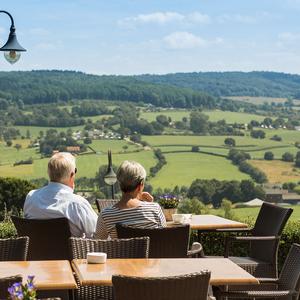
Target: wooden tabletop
pixel 211 222
pixel 49 274
pixel 223 271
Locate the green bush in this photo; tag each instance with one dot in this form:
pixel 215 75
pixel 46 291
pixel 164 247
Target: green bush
pixel 7 230
pixel 13 192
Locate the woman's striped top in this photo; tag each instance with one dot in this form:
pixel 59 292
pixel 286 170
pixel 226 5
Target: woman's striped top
pixel 147 215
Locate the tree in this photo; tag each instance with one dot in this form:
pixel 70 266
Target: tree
pixel 18 146
pixel 269 155
pixel 195 149
pixel 226 205
pixel 198 122
pixel 258 134
pixel 229 142
pixel 162 119
pixel 297 160
pixel 193 206
pixel 8 143
pixel 276 138
pixel 287 156
pixel 87 140
pixel 27 134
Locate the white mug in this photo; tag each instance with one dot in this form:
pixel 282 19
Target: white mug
pixel 178 218
pixel 96 257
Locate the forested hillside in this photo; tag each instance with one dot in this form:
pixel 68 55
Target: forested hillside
pixel 267 84
pixel 52 86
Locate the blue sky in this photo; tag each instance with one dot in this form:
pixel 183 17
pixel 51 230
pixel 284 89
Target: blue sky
pixel 155 36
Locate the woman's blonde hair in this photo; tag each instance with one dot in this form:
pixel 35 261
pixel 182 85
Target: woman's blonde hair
pixel 130 174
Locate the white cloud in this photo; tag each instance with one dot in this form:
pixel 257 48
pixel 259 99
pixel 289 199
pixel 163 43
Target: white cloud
pixel 237 18
pixel 187 40
pixel 289 37
pixel 162 18
pixel 184 40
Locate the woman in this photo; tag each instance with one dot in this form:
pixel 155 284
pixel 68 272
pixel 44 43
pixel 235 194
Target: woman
pixel 135 206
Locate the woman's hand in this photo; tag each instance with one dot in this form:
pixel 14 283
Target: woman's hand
pixel 145 196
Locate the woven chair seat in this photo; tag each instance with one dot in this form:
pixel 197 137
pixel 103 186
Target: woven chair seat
pixel 254 266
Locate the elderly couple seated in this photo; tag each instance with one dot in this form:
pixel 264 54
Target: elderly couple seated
pixel 57 200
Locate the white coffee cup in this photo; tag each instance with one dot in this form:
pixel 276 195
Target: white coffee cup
pixel 96 257
pixel 178 218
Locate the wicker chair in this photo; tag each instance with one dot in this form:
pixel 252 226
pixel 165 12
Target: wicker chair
pixel 188 287
pixel 48 238
pixel 7 282
pixel 118 248
pixel 166 242
pixel 14 248
pixel 103 203
pixel 287 286
pixel 264 241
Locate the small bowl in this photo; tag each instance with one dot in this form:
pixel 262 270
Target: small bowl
pixel 96 257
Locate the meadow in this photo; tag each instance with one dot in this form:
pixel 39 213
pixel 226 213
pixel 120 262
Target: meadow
pixel 214 116
pixel 252 212
pixel 183 166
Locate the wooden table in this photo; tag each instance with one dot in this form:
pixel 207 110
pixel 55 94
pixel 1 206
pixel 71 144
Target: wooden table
pixel 211 222
pixel 204 223
pixel 49 274
pixel 223 271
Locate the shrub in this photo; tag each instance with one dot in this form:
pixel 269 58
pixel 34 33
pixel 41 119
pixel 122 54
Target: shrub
pixel 13 192
pixel 195 149
pixel 287 156
pixel 230 142
pixel 269 155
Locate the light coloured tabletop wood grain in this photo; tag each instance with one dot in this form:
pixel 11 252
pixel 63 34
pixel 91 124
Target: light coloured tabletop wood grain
pixel 211 222
pixel 49 275
pixel 223 271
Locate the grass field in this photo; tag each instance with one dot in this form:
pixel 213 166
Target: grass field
pixel 278 171
pixel 216 115
pixel 87 165
pixel 257 100
pixel 252 212
pixel 184 168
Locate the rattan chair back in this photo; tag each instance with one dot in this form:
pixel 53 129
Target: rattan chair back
pixel 188 287
pixel 289 278
pixel 117 248
pixel 14 248
pixel 48 238
pixel 166 242
pixel 103 203
pixel 270 222
pixel 7 282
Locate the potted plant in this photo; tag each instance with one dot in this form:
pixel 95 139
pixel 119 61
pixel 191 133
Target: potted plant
pixel 169 204
pixel 25 291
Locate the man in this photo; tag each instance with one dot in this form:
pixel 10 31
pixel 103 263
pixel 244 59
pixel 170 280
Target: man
pixel 57 200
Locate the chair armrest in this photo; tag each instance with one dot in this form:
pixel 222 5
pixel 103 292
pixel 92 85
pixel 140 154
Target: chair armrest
pixel 196 250
pixel 268 280
pixel 249 238
pixel 247 230
pixel 255 238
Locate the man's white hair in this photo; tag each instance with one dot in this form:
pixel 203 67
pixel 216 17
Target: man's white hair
pixel 60 166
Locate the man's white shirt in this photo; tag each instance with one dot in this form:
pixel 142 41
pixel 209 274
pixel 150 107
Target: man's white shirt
pixel 57 200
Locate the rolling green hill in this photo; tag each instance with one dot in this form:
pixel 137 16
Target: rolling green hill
pixel 266 84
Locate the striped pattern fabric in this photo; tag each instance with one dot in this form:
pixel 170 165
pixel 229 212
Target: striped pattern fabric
pixel 146 215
